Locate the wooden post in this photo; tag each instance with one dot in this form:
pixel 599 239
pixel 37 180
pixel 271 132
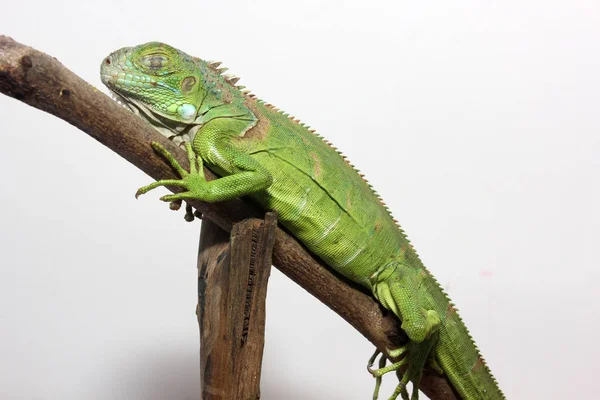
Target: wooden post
pixel 233 272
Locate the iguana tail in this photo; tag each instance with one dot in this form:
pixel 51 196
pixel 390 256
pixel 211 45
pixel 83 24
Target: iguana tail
pixel 461 361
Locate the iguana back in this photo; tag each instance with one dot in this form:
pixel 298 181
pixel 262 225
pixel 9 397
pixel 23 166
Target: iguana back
pixel 319 196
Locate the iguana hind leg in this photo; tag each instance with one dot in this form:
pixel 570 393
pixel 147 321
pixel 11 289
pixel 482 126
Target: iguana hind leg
pixel 396 286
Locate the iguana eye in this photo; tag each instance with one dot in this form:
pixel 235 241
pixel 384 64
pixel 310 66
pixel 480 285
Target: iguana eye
pixel 154 61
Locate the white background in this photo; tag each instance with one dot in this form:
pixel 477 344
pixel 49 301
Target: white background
pixel 477 121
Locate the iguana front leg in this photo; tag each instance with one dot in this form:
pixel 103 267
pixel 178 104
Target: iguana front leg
pixel 243 175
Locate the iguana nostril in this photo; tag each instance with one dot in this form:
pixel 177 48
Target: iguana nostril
pixel 107 61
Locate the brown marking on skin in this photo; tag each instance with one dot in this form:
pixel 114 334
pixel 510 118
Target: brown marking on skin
pixel 260 130
pixel 214 74
pixel 378 226
pixel 305 140
pixel 225 88
pixel 226 94
pixel 317 167
pixel 478 364
pixel 450 310
pixel 404 248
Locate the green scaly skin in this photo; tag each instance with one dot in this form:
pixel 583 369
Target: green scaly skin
pixel 321 199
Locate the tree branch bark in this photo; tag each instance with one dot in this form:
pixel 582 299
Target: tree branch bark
pixel 42 82
pixel 233 272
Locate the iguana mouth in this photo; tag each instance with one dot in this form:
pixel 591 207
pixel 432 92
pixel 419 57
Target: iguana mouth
pixel 177 132
pixel 122 101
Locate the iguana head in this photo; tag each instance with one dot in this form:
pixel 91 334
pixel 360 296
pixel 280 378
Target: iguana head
pixel 157 82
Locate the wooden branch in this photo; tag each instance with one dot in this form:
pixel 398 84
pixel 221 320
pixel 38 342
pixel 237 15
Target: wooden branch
pixel 232 289
pixel 42 82
pixel 213 284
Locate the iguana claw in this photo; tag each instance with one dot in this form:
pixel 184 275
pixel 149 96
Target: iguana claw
pixel 382 370
pixel 175 205
pixel 193 181
pixel 415 355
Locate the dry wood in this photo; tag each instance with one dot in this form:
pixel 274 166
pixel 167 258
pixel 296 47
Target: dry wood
pixel 42 82
pixel 232 289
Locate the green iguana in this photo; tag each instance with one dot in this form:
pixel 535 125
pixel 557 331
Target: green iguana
pixel 260 152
